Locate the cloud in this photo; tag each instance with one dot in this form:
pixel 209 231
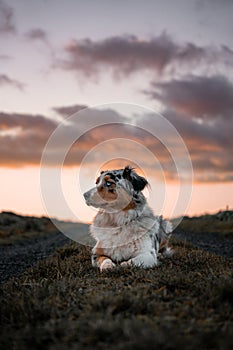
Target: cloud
pixel 128 54
pixel 67 111
pixel 40 35
pixel 6 80
pixel 37 34
pixel 26 122
pixel 199 96
pixel 5 57
pixel 23 138
pixel 7 25
pixel 209 144
pixel 201 109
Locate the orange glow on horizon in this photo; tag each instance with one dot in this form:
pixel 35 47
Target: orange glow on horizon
pixel 20 193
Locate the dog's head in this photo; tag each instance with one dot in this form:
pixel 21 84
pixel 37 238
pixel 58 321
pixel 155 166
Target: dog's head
pixel 116 190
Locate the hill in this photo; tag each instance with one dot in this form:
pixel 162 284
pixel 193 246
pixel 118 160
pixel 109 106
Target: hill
pixel 220 223
pixel 14 227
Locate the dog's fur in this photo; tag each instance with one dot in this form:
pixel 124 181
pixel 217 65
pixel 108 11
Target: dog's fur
pixel 125 228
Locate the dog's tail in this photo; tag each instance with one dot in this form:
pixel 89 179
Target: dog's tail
pixel 165 232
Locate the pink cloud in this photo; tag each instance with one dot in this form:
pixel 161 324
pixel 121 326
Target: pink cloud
pixel 7 25
pixel 5 80
pixel 23 138
pixel 125 55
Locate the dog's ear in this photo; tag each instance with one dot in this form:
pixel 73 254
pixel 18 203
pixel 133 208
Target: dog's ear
pixel 127 173
pixel 138 182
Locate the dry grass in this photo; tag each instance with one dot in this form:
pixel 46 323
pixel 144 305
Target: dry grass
pixel 64 303
pixel 15 228
pixel 207 224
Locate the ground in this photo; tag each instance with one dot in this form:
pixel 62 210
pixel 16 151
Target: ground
pixel 64 303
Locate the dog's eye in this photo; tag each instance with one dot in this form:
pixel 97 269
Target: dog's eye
pixel 108 183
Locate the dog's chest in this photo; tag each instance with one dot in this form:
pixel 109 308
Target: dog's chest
pixel 121 243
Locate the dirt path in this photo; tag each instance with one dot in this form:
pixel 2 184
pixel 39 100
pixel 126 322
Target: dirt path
pixel 16 258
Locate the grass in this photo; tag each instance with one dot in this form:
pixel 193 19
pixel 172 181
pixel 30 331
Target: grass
pixel 16 228
pixel 207 224
pixel 64 303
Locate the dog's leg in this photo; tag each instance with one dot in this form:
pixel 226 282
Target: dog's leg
pixel 164 235
pixel 164 249
pixel 100 260
pixel 145 260
pixel 105 263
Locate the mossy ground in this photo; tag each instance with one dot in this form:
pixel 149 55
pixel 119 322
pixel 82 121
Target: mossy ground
pixel 64 303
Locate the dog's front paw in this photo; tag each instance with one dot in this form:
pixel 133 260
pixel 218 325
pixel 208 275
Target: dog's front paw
pixel 107 264
pixel 126 263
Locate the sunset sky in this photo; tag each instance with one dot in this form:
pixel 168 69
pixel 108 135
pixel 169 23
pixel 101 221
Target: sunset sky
pixel 172 57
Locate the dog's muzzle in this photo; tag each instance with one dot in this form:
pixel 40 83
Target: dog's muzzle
pixel 86 195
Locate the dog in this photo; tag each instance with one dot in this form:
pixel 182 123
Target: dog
pixel 125 229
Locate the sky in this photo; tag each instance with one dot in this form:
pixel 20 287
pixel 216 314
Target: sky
pixel 153 58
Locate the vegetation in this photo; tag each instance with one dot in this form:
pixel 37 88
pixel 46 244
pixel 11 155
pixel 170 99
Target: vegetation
pixel 15 228
pixel 220 223
pixel 64 303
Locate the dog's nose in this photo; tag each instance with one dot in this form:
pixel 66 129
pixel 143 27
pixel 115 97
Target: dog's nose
pixel 86 195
